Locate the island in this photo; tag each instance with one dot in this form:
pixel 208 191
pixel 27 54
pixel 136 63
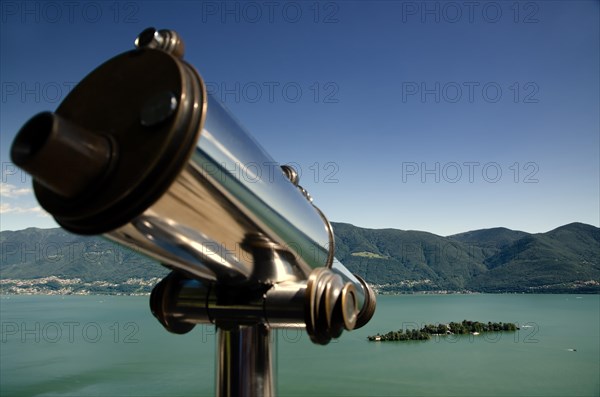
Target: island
pixel 453 328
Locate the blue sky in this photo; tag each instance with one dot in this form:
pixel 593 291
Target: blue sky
pixel 435 116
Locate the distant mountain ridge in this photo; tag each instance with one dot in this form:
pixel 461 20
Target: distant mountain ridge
pixel 566 259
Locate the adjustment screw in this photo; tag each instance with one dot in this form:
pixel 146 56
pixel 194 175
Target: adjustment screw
pixel 158 108
pixel 149 38
pixel 291 173
pixel 164 40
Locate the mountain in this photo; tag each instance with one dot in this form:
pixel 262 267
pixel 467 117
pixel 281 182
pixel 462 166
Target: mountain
pixel 487 242
pixel 408 260
pixel 70 263
pixel 568 255
pixel 566 259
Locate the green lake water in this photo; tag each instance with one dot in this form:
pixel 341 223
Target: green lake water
pixel 112 346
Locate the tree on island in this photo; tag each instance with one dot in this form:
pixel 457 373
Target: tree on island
pixel 465 327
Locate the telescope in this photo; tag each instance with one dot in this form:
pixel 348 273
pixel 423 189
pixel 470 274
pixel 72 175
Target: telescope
pixel 140 153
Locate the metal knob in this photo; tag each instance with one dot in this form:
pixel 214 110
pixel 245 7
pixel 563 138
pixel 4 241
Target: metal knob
pixel 165 40
pixel 331 306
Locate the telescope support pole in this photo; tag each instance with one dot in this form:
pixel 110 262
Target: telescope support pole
pixel 245 362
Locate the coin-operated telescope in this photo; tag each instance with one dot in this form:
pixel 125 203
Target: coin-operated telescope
pixel 140 153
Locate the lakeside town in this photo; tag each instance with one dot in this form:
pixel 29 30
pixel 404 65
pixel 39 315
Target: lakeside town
pixel 53 285
pixel 75 286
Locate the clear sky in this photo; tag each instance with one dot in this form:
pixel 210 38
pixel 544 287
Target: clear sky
pixel 423 115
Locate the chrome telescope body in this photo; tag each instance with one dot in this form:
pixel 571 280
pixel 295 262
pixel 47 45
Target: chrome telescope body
pixel 140 153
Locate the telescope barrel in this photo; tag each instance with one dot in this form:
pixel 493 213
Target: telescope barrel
pixel 228 194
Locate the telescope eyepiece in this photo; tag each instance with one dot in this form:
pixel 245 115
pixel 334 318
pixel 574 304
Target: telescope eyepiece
pixel 52 149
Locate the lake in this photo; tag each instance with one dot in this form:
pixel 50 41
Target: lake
pixel 113 346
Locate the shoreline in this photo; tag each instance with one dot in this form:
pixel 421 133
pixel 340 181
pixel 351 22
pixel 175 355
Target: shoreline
pixel 87 293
